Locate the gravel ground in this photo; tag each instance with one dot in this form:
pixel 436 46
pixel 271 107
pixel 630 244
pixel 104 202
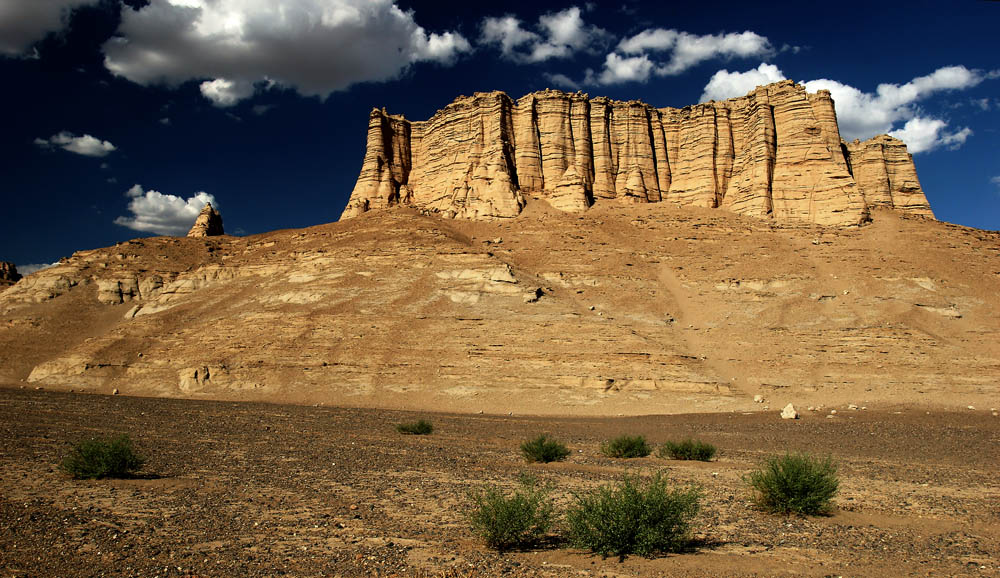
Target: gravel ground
pixel 241 489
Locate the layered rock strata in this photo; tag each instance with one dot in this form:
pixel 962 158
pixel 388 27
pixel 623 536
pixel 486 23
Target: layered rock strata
pixel 775 153
pixel 208 223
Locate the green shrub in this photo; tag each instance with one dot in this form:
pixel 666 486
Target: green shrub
pixel 545 450
pixel 626 447
pixel 103 458
pixel 688 449
pixel 418 428
pixel 633 517
pixel 795 483
pixel 515 521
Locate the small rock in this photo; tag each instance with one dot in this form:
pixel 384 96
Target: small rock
pixel 758 398
pixel 833 412
pixel 591 307
pixel 810 408
pixel 830 416
pixel 789 412
pixel 114 391
pixel 971 407
pixel 852 406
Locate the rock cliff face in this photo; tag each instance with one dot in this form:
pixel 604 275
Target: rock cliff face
pixel 775 153
pixel 208 223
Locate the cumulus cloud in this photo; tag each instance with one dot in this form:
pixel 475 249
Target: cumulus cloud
pixel 85 145
pixel 923 134
pixel 687 50
pixel 235 46
pixel 862 114
pixel 619 69
pixel 25 22
pixel 994 180
pixel 154 212
pixel 557 35
pixel 725 84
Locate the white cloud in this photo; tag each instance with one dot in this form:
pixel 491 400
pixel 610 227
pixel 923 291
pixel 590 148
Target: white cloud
pixel 24 22
pixel 994 180
pixel 34 267
pixel 223 92
pixel 559 35
pixel 82 145
pixel 669 52
pixel 619 69
pixel 688 50
pixel 506 32
pixel 563 81
pixel 154 212
pixel 314 46
pixel 725 84
pixel 863 114
pixel 923 134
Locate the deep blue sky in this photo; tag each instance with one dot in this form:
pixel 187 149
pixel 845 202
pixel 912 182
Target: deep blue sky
pixel 284 156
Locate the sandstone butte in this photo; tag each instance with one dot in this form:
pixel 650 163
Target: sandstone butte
pixel 775 153
pixel 625 308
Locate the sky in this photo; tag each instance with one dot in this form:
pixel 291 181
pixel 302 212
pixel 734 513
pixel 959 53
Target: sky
pixel 122 118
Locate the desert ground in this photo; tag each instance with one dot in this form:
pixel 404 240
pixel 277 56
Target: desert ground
pixel 258 489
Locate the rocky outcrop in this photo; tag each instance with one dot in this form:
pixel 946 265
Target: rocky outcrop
pixel 8 274
pixel 886 176
pixel 208 223
pixel 775 153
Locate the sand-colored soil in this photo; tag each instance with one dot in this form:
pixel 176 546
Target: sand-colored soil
pixel 247 489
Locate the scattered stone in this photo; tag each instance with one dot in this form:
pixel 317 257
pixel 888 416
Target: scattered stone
pixel 789 412
pixel 972 407
pixel 833 412
pixel 852 407
pixel 533 295
pixel 758 398
pixel 114 391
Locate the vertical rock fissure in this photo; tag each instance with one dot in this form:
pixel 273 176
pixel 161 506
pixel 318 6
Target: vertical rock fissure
pixel 775 153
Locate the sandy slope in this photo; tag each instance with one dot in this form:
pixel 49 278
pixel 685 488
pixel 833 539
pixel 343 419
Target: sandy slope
pixel 642 309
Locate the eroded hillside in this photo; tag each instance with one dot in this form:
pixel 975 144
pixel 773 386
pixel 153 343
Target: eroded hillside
pixel 622 309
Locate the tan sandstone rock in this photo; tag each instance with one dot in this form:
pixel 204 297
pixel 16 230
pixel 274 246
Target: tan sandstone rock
pixel 208 224
pixel 775 153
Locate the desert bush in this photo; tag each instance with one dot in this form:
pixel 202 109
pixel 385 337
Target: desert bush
pixel 795 483
pixel 688 449
pixel 626 447
pixel 633 517
pixel 103 458
pixel 419 428
pixel 545 450
pixel 515 521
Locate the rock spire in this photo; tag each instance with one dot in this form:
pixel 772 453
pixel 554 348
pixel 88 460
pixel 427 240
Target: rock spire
pixel 8 274
pixel 208 224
